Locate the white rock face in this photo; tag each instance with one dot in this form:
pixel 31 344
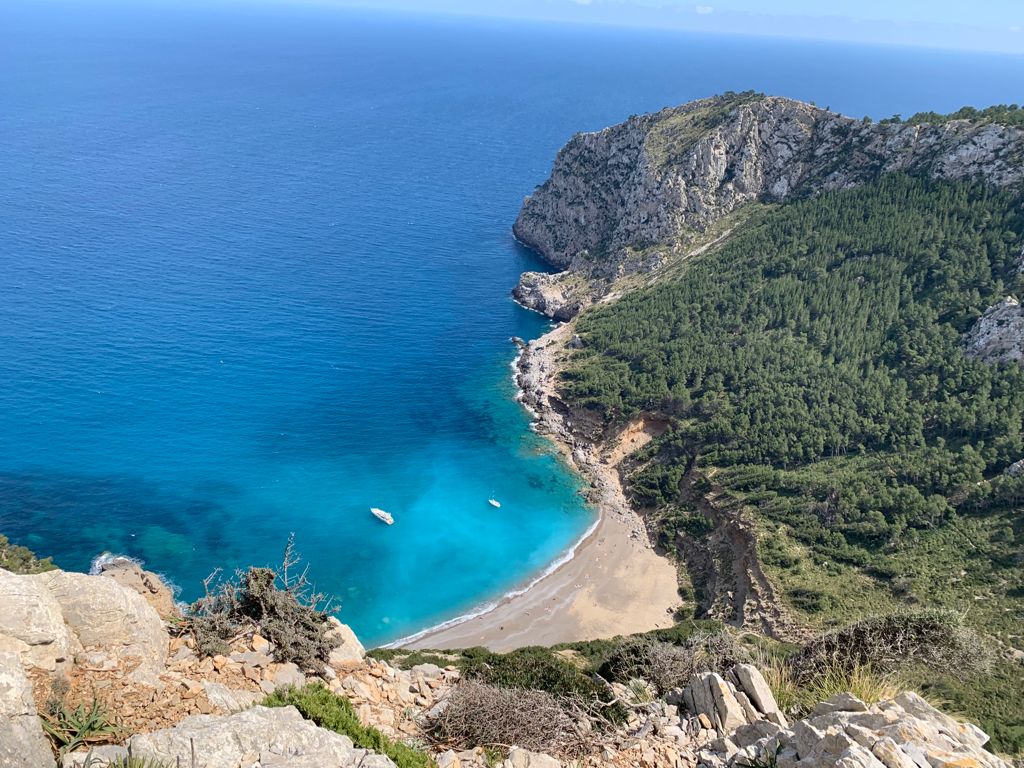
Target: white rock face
pixel 905 732
pixel 256 738
pixel 998 335
pixel 32 624
pixel 22 742
pixel 109 620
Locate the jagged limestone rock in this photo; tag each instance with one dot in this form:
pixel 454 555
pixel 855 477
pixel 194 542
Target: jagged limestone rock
pixel 654 177
pixel 900 733
pixel 32 623
pixel 110 620
pixel 256 738
pixel 22 742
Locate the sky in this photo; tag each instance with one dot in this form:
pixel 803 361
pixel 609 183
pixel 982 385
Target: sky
pixel 986 25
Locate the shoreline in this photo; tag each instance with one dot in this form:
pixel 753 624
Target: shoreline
pixel 610 581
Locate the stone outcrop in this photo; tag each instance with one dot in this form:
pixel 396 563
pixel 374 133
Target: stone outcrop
pixel 129 573
pixel 998 335
pixel 22 742
pixel 726 703
pixel 32 624
pixel 904 732
pixel 112 623
pixel 664 178
pixel 348 651
pixel 256 738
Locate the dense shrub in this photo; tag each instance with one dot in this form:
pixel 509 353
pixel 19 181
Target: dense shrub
pixel 935 639
pixel 18 559
pixel 282 608
pixel 335 713
pixel 482 715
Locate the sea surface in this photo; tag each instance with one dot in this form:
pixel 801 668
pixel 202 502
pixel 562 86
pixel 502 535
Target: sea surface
pixel 255 264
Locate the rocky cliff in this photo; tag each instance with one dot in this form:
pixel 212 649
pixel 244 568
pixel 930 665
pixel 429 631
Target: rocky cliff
pixel 632 197
pixel 96 634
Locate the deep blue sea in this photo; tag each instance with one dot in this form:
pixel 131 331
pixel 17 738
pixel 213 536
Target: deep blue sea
pixel 255 264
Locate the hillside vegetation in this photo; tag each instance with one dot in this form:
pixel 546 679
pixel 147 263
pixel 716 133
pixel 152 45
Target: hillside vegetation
pixel 812 372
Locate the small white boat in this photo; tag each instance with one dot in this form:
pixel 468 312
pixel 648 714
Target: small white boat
pixel 494 503
pixel 381 515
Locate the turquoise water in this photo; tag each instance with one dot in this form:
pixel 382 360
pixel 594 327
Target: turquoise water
pixel 256 264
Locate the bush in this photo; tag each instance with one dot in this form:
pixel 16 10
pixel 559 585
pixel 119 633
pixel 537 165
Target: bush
pixel 533 668
pixel 482 715
pixel 18 559
pixel 335 713
pixel 538 669
pixel 667 665
pixel 281 608
pixel 70 729
pixel 935 639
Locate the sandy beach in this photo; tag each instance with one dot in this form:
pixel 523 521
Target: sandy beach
pixel 616 583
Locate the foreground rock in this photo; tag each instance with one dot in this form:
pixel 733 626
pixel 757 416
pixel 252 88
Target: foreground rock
pixel 22 742
pixel 904 732
pixel 256 738
pixel 113 624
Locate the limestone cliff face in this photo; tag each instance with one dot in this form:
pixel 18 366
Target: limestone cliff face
pixel 666 177
pixel 998 335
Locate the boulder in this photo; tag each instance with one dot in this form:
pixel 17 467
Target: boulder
pixel 227 699
pixel 841 702
pixel 349 652
pixel 94 757
pixel 32 624
pixel 752 683
pixel 271 738
pixel 111 619
pixel 521 758
pixel 22 741
pixel 129 573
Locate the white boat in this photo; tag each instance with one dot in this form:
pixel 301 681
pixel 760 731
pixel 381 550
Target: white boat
pixel 381 515
pixel 494 503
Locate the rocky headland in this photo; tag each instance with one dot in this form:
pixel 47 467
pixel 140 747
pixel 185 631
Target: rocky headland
pixel 634 198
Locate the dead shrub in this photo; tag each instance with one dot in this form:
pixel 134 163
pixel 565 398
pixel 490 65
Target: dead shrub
pixel 278 604
pixel 482 715
pixel 668 666
pixel 935 639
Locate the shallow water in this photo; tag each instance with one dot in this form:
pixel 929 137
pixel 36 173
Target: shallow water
pixel 256 266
